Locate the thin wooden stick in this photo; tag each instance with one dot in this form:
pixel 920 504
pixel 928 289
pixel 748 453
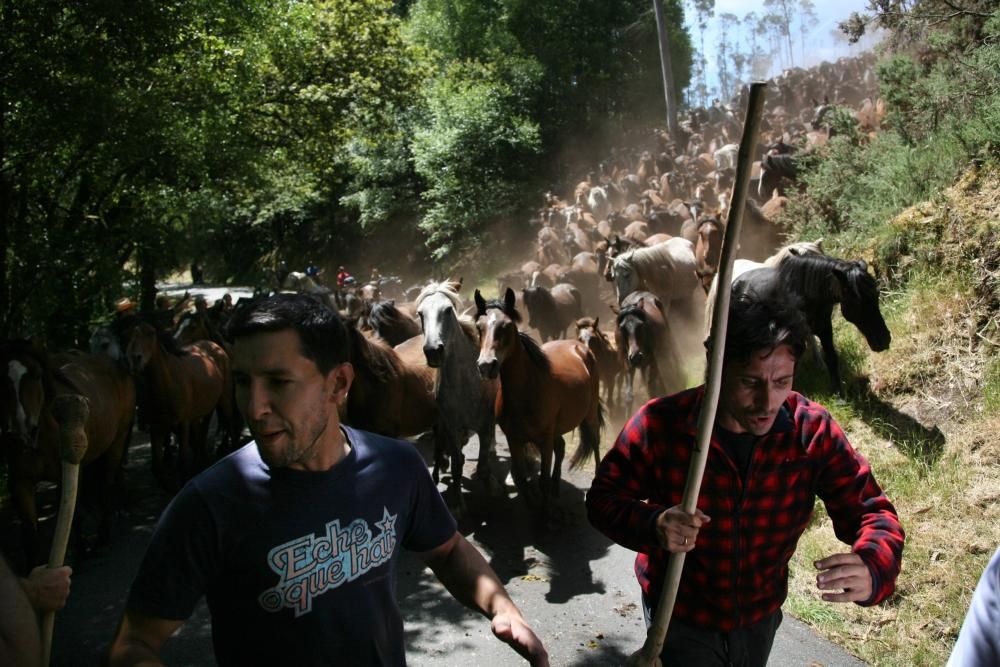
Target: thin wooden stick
pixel 649 654
pixel 71 412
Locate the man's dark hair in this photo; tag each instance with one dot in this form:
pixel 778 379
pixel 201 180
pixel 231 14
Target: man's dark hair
pixel 763 314
pixel 323 335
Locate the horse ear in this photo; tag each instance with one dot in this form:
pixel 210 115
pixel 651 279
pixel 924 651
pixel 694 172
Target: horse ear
pixel 509 299
pixel 480 304
pixel 863 264
pixel 614 309
pixel 597 321
pixel 819 243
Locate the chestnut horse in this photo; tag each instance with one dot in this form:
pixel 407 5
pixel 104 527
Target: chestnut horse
pixel 182 387
pixel 393 389
pixel 545 391
pixel 30 433
pixel 609 364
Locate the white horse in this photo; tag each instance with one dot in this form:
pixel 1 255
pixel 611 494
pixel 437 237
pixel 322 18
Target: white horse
pixel 465 400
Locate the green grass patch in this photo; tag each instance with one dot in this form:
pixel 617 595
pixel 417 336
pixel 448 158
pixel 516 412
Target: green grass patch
pixel 991 387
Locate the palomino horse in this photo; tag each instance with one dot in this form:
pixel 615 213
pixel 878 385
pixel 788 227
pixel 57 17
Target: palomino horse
pixel 645 343
pixel 609 365
pixel 465 400
pixel 668 270
pixel 545 391
pixel 30 433
pixel 182 387
pixel 393 389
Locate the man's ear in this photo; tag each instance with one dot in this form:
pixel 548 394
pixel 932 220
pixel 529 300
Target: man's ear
pixel 342 377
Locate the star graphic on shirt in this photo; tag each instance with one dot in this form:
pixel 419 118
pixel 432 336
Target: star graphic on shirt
pixel 388 522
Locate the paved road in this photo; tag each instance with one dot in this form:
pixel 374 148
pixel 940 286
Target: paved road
pixel 576 588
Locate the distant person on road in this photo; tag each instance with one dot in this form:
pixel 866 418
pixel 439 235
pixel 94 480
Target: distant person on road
pixel 295 539
pixel 978 643
pixel 342 276
pixel 773 452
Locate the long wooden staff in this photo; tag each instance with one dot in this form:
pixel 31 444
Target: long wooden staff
pixel 71 412
pixel 649 654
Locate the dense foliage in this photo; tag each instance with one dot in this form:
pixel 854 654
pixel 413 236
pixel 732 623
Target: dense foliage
pixel 138 137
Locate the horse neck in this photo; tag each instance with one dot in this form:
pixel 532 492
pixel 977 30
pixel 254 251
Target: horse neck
pixel 811 276
pixel 518 371
pixel 163 368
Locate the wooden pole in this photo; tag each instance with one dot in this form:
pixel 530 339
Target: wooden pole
pixel 71 412
pixel 649 654
pixel 667 71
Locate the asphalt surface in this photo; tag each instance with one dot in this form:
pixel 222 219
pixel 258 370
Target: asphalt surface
pixel 574 586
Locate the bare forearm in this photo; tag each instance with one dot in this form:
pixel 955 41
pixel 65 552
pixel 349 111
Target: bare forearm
pixel 19 640
pixel 471 581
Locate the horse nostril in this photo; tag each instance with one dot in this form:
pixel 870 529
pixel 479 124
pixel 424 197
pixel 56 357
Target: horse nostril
pixel 635 358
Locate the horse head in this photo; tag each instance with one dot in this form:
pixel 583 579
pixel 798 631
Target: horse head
pixel 859 304
pixel 26 386
pixel 142 345
pixel 497 322
pixel 439 320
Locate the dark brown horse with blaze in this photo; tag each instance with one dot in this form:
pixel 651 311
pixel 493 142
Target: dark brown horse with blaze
pixel 30 432
pixel 545 391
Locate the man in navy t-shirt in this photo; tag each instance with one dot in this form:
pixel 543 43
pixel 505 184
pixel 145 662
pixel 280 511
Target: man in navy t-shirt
pixel 295 538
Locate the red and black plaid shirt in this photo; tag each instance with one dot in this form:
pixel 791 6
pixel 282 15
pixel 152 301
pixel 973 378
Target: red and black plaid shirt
pixel 738 572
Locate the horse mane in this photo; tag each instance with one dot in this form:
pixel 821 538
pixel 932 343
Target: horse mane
pixel 812 273
pixel 799 248
pixel 377 358
pixel 631 310
pixel 385 314
pixel 514 314
pixel 535 352
pixel 448 288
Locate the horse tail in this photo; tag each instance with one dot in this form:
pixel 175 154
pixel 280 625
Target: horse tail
pixel 590 439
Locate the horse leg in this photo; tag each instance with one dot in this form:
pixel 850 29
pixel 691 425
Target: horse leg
pixel 518 470
pixel 545 477
pixel 825 334
pixel 157 443
pixel 454 441
pixel 487 433
pixel 560 453
pixel 629 395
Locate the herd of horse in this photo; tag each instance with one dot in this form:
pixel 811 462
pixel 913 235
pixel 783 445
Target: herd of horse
pixel 431 363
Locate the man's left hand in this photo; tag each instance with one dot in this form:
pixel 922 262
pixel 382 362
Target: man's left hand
pixel 512 629
pixel 846 572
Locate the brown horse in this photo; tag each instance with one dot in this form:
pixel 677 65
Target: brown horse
pixel 545 391
pixel 393 324
pixel 393 389
pixel 646 344
pixel 708 249
pixel 182 387
pixel 609 364
pixel 30 433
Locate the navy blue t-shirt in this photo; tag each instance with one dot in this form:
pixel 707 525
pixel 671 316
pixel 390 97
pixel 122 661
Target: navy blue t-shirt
pixel 297 567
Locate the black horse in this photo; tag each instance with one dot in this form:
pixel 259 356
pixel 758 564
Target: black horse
pixel 819 282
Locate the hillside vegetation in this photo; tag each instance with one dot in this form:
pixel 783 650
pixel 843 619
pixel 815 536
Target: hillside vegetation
pixel 921 203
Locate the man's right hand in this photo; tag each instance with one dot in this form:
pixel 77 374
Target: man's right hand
pixel 677 531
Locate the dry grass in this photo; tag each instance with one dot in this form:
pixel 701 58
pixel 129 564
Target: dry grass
pixel 942 376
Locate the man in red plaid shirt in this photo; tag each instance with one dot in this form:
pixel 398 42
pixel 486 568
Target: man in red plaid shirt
pixel 772 453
